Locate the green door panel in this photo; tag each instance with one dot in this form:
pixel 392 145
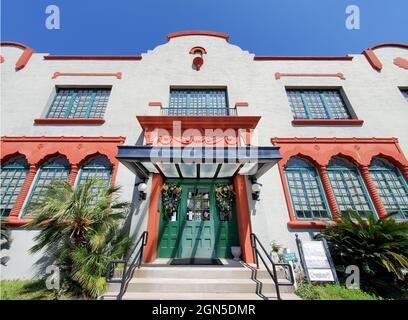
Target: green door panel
pixel 197 231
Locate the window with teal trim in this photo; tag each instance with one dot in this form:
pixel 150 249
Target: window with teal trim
pixel 348 187
pixel 391 187
pixel 405 93
pixel 317 104
pixel 57 168
pixel 306 192
pixel 13 175
pixel 96 168
pixel 198 102
pixel 79 103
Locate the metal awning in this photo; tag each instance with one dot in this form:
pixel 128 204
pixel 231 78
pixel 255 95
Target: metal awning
pixel 198 162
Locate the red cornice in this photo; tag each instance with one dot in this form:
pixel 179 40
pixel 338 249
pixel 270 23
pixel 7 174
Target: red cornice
pixel 303 58
pixel 328 122
pixel 119 139
pixel 199 122
pixel 388 44
pixel 65 57
pixel 197 33
pixel 277 140
pixel 97 121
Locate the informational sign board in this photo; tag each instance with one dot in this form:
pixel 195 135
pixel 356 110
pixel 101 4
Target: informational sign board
pixel 317 261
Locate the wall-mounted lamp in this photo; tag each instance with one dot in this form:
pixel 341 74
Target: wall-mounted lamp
pixel 142 187
pixel 198 59
pixel 256 189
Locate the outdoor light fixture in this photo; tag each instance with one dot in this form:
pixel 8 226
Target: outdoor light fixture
pixel 256 189
pixel 141 187
pixel 198 53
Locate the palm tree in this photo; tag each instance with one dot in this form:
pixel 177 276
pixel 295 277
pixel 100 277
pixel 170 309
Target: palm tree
pixel 379 247
pixel 81 226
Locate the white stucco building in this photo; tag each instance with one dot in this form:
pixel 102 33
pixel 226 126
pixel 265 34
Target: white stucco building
pixel 320 134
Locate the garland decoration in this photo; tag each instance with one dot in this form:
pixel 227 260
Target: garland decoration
pixel 224 195
pixel 171 196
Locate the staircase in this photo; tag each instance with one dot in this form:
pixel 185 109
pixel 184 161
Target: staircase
pixel 231 281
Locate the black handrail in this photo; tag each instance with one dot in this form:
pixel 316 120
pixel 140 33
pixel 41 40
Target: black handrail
pixel 254 243
pixel 129 265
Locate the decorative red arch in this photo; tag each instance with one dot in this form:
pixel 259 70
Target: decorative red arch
pixel 25 56
pixel 373 58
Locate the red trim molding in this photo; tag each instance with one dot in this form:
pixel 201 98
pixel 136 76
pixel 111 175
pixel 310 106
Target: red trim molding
pixel 39 149
pixel 96 121
pixel 200 49
pixel 155 104
pixel 1 59
pixel 401 62
pixel 319 151
pixel 25 56
pixel 328 122
pixel 243 218
pixel 57 74
pixel 66 57
pixel 199 122
pixel 198 33
pixel 373 59
pixel 153 222
pixel 279 75
pixel 241 104
pixel 303 58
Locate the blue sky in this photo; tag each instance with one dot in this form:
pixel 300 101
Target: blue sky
pixel 264 27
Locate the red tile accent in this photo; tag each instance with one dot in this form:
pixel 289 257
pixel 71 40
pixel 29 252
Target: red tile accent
pixel 401 62
pixel 241 104
pixel 200 49
pixel 97 121
pixel 372 57
pixel 1 59
pixel 57 74
pixel 328 122
pixel 155 104
pixel 279 75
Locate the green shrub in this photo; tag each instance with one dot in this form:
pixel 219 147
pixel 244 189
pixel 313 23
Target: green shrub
pixel 332 292
pixel 379 247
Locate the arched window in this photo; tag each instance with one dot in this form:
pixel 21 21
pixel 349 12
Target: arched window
pixel 57 168
pixel 13 175
pixel 348 187
pixel 97 167
pixel 306 191
pixel 391 187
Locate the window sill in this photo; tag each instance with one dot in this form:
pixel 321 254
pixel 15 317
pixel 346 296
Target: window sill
pixel 95 121
pixel 312 224
pixel 328 122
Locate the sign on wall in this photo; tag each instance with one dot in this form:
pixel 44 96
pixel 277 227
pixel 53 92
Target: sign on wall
pixel 316 261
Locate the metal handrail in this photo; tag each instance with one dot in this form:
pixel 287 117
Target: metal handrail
pixel 198 111
pixel 254 243
pixel 130 264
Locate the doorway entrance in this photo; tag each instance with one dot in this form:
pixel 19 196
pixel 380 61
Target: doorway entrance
pixel 197 229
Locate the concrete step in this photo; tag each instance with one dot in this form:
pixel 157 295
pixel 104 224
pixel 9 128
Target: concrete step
pixel 197 296
pixel 203 273
pixel 221 285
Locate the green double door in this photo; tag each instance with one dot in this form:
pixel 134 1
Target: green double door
pixel 197 230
